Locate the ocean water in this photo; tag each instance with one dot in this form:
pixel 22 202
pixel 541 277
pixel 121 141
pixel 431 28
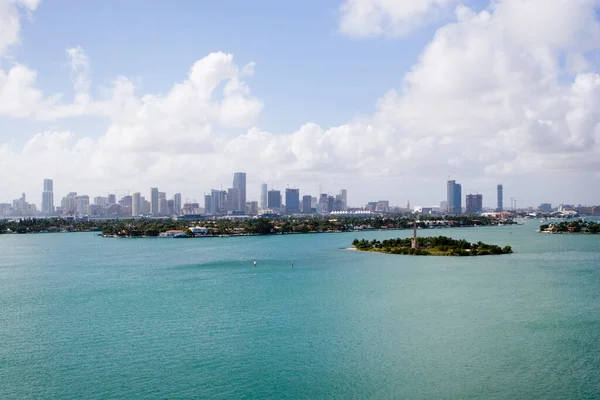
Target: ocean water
pixel 88 317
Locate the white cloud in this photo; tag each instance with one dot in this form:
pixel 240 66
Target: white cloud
pixel 490 98
pixel 366 18
pixel 10 21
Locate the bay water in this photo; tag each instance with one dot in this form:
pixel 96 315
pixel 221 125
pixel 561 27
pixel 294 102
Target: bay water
pixel 88 317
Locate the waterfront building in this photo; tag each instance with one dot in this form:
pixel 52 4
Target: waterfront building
pixel 454 193
pixel 233 200
pixel 474 203
pixel 207 204
pixel 48 197
pixel 263 195
pixel 163 206
pixel 239 183
pixel 177 204
pixel 344 198
pixel 274 199
pixel 292 201
pixel 153 201
pixel 136 204
pixel 82 203
pixel 499 195
pixel 545 207
pixel 306 204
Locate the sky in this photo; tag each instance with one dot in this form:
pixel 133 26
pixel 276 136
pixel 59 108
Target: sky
pixel 386 99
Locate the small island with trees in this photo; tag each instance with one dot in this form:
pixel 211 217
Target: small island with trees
pixel 578 226
pixel 430 246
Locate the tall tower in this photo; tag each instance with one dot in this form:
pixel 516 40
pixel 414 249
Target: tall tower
pixel 263 196
pixel 239 183
pixel 453 197
pixel 48 197
pixel 177 203
pixel 154 202
pixel 344 196
pixel 136 204
pixel 500 194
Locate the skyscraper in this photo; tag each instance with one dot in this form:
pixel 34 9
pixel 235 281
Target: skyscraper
pixel 163 206
pixel 454 193
pixel 263 195
pixel 48 197
pixel 306 204
pixel 239 183
pixel 136 204
pixel 292 201
pixel 344 198
pixel 177 203
pixel 474 203
pixel 154 202
pixel 499 193
pixel 274 199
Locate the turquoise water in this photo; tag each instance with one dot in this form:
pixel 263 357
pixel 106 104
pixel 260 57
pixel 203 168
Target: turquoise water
pixel 88 317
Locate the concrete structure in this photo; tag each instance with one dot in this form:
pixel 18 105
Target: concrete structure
pixel 153 202
pixel 163 206
pixel 136 204
pixel 344 198
pixel 292 201
pixel 545 207
pixel 263 196
pixel 307 204
pixel 453 194
pixel 239 183
pixel 82 203
pixel 274 199
pixel 48 197
pixel 177 204
pixel 499 198
pixel 474 203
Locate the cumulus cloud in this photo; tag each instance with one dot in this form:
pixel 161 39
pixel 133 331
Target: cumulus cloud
pixel 492 96
pixel 367 18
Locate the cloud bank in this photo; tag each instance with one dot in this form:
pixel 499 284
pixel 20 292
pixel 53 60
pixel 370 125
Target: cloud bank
pixel 496 95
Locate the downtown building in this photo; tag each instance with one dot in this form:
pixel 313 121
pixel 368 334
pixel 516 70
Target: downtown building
pixel 453 197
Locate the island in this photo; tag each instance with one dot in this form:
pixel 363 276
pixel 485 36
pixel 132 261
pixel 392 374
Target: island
pixel 430 246
pixel 578 226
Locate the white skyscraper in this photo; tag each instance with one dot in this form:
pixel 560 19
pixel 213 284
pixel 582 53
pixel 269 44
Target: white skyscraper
pixel 263 195
pixel 48 197
pixel 154 201
pixel 136 204
pixel 239 183
pixel 344 196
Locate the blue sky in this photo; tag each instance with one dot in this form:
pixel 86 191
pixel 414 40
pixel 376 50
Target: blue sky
pixel 381 102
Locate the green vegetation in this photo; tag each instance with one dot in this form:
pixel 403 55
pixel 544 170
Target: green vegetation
pixel 148 227
pixel 431 246
pixel 572 227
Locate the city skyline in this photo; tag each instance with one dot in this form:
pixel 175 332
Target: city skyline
pixel 439 103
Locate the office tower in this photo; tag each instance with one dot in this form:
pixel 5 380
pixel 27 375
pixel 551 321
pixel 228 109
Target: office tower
pixel 82 202
pixel 153 201
pixel 344 198
pixel 171 207
pixel 306 204
pixel 177 204
pixel 144 205
pixel 263 195
pixel 48 197
pixel 136 203
pixel 323 203
pixel 454 200
pixel 474 203
pixel 274 199
pixel 126 201
pixel 239 183
pixel 233 200
pixel 69 203
pixel 207 204
pixel 499 193
pixel 112 198
pixel 292 201
pixel 162 204
pixel 330 203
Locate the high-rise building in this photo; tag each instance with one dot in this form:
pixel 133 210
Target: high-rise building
pixel 82 203
pixel 112 198
pixel 292 201
pixel 306 204
pixel 263 195
pixel 153 201
pixel 163 206
pixel 274 199
pixel 454 193
pixel 207 204
pixel 233 200
pixel 177 204
pixel 322 206
pixel 136 203
pixel 499 193
pixel 239 183
pixel 48 197
pixel 344 198
pixel 474 203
